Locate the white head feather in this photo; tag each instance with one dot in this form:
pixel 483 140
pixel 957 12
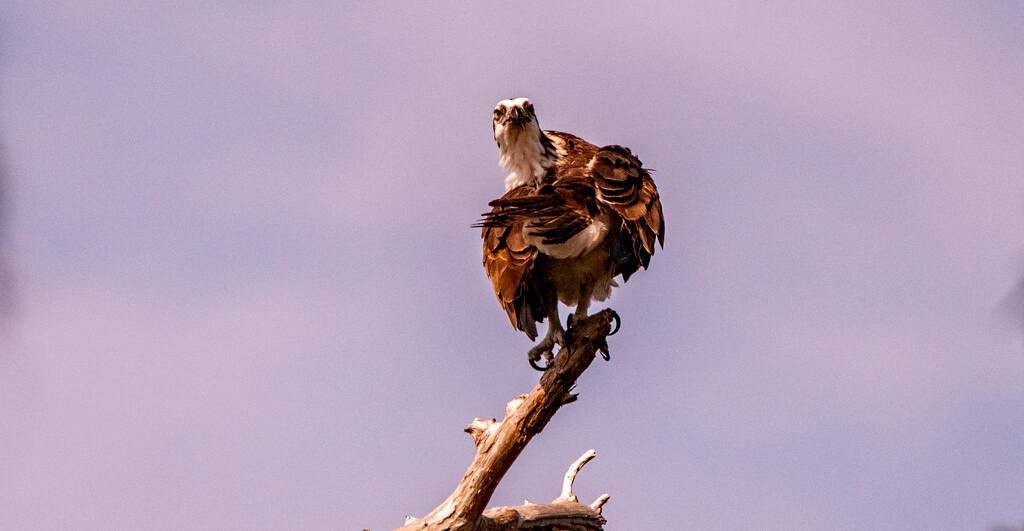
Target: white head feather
pixel 518 135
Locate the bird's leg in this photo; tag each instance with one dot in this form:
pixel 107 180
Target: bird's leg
pixel 586 289
pixel 555 336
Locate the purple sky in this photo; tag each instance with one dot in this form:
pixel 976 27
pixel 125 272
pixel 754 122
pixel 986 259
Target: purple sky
pixel 247 294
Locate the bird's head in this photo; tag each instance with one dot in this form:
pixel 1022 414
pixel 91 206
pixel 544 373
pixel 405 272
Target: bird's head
pixel 524 150
pixel 511 119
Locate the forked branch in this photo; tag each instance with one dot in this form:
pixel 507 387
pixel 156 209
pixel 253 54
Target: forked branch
pixel 498 444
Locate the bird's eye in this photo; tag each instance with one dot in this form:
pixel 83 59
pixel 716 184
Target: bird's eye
pixel 497 113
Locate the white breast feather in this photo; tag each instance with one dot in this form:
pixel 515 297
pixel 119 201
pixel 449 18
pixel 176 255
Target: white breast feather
pixel 522 154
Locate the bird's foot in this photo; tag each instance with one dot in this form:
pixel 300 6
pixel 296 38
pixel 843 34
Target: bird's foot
pixel 545 349
pixel 602 347
pixel 536 353
pixel 572 319
pixel 618 322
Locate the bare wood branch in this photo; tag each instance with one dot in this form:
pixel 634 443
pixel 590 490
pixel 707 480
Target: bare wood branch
pixel 563 513
pixel 498 444
pixel 559 515
pixel 570 476
pixel 481 430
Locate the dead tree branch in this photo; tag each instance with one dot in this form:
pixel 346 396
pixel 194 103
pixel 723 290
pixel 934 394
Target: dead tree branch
pixel 498 444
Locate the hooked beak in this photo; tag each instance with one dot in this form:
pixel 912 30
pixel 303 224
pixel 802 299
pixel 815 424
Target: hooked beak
pixel 516 116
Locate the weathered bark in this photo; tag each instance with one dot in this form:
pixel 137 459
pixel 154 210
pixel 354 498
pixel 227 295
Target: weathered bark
pixel 499 443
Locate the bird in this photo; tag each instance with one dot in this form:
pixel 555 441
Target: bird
pixel 573 217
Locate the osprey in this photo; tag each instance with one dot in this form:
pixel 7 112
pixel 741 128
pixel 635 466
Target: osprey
pixel 573 217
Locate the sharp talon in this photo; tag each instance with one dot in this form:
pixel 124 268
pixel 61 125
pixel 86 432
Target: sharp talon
pixel 533 363
pixel 615 317
pixel 604 353
pixel 569 320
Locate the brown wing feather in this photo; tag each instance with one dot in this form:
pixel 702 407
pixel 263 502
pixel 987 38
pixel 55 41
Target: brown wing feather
pixel 508 259
pixel 555 212
pixel 626 188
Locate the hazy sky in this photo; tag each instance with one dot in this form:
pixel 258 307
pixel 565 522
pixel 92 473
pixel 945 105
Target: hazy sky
pixel 247 295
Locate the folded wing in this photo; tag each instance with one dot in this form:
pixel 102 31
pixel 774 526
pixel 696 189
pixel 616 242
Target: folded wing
pixel 626 188
pixel 508 260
